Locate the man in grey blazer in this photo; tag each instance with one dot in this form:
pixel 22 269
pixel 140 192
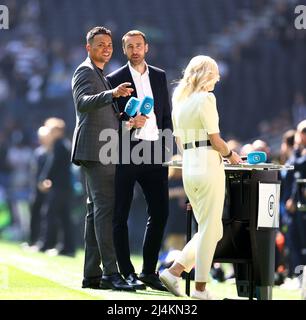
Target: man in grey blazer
pixel 96 110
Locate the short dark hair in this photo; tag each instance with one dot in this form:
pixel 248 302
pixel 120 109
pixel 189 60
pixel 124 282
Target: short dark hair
pixel 95 31
pixel 134 33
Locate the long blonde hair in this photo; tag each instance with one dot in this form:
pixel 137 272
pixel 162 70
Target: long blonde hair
pixel 200 74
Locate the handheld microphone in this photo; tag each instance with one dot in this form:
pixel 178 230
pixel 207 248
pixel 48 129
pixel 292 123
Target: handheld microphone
pixel 146 105
pixel 130 109
pixel 255 157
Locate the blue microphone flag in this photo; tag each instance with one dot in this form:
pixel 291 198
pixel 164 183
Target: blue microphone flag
pixel 146 105
pixel 131 106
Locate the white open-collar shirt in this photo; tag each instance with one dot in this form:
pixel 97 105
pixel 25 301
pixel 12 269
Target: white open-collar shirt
pixel 143 87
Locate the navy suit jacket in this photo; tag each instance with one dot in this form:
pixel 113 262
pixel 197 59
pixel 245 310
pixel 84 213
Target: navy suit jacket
pixel 162 107
pixel 159 87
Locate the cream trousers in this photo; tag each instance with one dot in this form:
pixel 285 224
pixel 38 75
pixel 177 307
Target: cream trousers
pixel 204 184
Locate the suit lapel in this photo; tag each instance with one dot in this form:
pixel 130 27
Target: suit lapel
pixel 103 79
pixel 129 78
pixel 154 83
pixel 106 83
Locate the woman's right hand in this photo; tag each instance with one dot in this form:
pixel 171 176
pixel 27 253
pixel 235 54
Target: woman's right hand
pixel 234 158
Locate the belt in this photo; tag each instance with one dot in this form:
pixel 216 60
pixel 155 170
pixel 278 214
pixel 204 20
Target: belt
pixel 196 144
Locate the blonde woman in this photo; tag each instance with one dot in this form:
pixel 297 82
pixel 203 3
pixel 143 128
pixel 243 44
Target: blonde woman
pixel 195 121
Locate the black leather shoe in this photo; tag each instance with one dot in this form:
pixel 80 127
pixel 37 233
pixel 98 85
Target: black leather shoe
pixel 152 281
pixel 67 253
pixel 134 282
pixel 93 283
pixel 115 282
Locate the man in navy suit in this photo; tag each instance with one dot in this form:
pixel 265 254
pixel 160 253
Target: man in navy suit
pixel 150 81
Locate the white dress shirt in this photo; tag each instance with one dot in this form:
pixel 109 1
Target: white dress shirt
pixel 143 87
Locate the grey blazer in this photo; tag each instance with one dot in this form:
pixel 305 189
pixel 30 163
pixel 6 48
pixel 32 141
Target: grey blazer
pixel 95 111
